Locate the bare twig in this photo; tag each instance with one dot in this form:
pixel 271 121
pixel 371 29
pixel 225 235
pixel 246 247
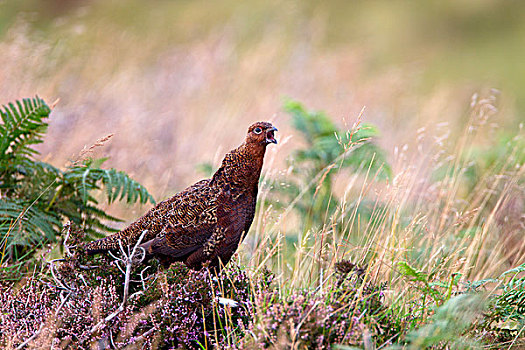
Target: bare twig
pixel 142 336
pixel 128 259
pixel 68 232
pixel 21 346
pixel 60 284
pixel 87 268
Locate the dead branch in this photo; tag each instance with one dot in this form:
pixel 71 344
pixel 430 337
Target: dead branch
pixel 128 259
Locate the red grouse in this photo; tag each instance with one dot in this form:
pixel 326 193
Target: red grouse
pixel 204 224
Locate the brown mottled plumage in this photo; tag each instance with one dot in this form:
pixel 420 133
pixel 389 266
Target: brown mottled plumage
pixel 204 224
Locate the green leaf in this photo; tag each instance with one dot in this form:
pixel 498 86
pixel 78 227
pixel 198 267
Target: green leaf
pixel 406 270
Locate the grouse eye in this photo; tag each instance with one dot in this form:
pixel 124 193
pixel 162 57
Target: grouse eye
pixel 257 130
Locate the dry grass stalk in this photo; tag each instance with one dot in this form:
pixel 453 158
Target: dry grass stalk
pixel 86 152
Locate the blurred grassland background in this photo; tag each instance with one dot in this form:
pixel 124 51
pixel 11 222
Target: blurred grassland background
pixel 179 81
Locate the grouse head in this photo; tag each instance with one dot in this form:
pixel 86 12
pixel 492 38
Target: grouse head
pixel 261 133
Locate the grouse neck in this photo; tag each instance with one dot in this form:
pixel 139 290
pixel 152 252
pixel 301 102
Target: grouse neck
pixel 242 166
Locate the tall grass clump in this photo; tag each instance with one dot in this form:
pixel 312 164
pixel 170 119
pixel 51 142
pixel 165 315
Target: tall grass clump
pixel 451 214
pixel 327 149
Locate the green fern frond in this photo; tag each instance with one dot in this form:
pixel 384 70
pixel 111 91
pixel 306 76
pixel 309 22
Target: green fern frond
pixel 24 225
pixel 117 184
pixel 38 197
pixel 22 126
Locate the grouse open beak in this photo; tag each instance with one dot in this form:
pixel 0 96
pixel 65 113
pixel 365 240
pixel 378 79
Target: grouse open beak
pixel 270 137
